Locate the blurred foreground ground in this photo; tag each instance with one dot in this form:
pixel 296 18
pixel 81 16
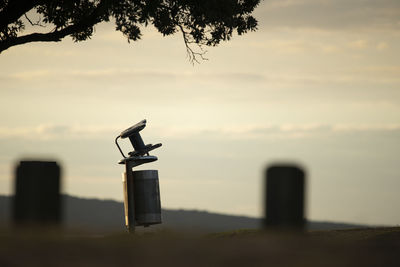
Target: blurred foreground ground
pixel 356 247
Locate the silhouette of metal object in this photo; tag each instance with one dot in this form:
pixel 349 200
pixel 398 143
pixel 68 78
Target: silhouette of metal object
pixel 140 149
pixel 284 208
pixel 37 199
pixel 142 203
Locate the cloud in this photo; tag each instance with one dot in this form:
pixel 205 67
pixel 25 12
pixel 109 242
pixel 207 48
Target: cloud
pixel 52 131
pixel 382 46
pixel 274 131
pixel 283 46
pixel 359 44
pixel 104 74
pixel 330 14
pixel 330 48
pixel 116 76
pixel 290 131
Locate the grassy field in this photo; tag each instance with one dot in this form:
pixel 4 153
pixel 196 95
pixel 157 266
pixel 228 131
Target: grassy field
pixel 355 247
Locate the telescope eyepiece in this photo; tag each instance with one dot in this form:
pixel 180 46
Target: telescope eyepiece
pixel 133 129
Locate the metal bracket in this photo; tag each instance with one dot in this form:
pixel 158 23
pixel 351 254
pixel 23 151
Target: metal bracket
pixel 136 161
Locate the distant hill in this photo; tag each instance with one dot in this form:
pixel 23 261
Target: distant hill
pixel 105 216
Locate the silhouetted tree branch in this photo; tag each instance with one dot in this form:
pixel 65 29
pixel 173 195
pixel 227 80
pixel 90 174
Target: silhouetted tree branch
pixel 202 23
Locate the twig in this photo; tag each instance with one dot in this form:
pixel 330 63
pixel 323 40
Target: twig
pixel 35 24
pixel 191 54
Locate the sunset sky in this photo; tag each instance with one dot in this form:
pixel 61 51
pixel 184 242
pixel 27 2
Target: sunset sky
pixel 318 84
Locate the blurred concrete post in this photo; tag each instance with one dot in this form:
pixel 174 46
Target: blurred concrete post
pixel 284 207
pixel 37 198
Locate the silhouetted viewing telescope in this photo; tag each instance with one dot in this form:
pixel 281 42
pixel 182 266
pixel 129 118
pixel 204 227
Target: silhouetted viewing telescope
pixel 142 203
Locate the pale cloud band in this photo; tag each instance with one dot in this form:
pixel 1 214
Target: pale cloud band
pixel 331 14
pixel 54 132
pixel 386 74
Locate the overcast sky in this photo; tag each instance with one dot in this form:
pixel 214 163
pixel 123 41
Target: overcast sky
pixel 318 84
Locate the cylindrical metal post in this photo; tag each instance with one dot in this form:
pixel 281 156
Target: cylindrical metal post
pixel 284 198
pixel 147 197
pixel 129 200
pixel 37 197
pixel 141 198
